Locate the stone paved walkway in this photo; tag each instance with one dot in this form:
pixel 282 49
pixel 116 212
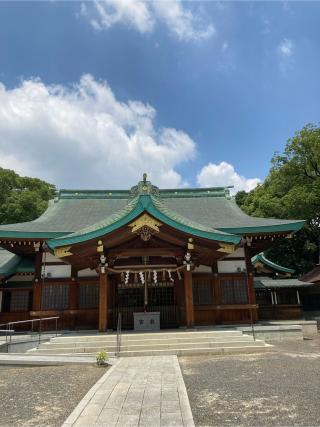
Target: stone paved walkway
pixel 136 391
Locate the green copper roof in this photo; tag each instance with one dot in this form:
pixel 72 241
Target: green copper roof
pixel 261 258
pixel 135 207
pixel 8 263
pixel 73 211
pixel 11 264
pixel 224 214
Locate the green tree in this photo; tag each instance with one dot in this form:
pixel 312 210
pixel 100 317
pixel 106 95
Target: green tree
pixel 22 198
pixel 292 191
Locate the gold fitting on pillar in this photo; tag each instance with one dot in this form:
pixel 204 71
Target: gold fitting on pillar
pixel 100 246
pixel 190 244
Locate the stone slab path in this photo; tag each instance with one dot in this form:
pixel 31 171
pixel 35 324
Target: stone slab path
pixel 136 392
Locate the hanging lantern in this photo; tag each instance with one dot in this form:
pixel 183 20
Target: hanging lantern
pixel 170 277
pixel 179 275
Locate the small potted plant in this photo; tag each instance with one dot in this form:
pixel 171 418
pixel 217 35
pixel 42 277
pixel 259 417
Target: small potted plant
pixel 102 358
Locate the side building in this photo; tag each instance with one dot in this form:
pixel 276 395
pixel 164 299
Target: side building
pixel 279 295
pixel 183 253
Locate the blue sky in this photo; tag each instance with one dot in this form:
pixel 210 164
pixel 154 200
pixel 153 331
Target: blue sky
pixel 196 93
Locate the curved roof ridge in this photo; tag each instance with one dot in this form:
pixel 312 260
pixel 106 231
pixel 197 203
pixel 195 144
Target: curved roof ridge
pixel 165 193
pixel 262 258
pixel 268 224
pixel 36 220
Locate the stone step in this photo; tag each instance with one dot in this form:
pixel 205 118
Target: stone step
pixel 195 351
pixel 154 335
pixel 109 343
pixel 148 347
pixel 164 342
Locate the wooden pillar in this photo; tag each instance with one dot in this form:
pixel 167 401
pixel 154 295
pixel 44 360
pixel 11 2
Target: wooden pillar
pixel 188 298
pixel 73 296
pixel 36 302
pixel 73 301
pixel 250 282
pixel 111 302
pixel 216 291
pixel 103 302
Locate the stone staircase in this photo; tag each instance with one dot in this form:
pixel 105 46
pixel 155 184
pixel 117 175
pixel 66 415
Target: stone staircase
pixel 182 342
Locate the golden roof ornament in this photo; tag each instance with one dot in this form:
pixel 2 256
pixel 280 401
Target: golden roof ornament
pixel 145 226
pixel 145 187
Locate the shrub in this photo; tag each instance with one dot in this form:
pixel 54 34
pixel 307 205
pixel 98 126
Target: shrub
pixel 102 357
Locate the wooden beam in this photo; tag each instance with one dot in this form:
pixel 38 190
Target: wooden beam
pixel 188 298
pixel 136 252
pixel 103 302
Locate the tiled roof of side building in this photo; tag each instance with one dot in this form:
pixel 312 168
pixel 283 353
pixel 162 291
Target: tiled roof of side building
pixel 8 263
pixel 74 210
pixel 261 283
pixel 11 264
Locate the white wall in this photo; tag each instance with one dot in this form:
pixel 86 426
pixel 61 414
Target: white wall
pixel 231 266
pixel 238 253
pixel 57 271
pixel 48 257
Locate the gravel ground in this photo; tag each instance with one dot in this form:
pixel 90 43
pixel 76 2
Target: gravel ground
pixel 281 388
pixel 43 395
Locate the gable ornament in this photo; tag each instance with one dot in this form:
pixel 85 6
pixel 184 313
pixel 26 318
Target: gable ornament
pixel 145 226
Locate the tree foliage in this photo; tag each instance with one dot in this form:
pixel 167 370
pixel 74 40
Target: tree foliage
pixel 22 198
pixel 292 191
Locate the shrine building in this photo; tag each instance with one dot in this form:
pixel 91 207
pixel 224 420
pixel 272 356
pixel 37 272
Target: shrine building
pixel 185 254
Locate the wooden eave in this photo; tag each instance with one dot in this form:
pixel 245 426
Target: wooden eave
pixel 124 243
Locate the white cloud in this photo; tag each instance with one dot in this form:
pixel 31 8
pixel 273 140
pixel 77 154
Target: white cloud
pixel 82 136
pixel 183 23
pixel 134 13
pixel 223 174
pixel 286 47
pixel 142 15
